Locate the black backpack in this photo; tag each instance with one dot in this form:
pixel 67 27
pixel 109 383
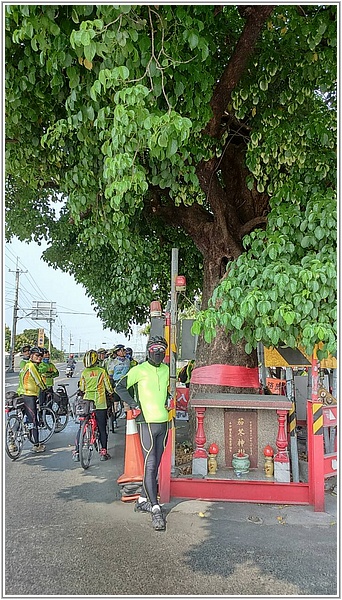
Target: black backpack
pixel 182 376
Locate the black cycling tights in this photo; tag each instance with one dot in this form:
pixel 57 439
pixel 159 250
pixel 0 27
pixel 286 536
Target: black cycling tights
pixel 30 403
pixel 153 437
pixel 101 418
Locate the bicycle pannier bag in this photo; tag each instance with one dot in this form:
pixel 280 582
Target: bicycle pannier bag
pixel 62 400
pixel 84 407
pixel 13 400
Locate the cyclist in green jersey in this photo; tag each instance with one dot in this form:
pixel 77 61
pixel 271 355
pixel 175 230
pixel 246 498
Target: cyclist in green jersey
pixel 101 353
pixel 48 372
pixel 150 380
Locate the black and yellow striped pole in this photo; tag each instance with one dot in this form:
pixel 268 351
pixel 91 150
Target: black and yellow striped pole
pixel 292 425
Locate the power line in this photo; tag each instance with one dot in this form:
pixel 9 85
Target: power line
pixel 15 318
pixel 61 312
pixel 29 294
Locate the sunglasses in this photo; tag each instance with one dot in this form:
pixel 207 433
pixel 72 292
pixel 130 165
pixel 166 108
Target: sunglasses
pixel 156 347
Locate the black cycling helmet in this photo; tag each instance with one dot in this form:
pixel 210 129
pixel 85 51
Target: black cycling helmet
pixel 156 347
pixel 118 347
pixel 157 339
pixel 101 351
pixel 46 350
pixel 26 348
pixel 36 350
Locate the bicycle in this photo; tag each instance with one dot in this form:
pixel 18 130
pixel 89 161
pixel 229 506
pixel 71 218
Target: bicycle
pixel 113 414
pixel 18 430
pixel 59 403
pixel 89 435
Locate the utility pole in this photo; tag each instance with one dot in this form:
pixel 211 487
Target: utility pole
pixel 173 310
pixel 173 348
pixel 15 317
pixel 70 344
pixel 50 331
pixel 62 338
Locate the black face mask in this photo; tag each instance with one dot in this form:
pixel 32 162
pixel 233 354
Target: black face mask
pixel 156 357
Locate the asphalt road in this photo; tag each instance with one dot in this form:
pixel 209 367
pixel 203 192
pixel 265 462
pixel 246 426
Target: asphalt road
pixel 68 533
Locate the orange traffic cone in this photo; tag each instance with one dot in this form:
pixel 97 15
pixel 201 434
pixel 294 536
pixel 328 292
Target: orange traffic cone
pixel 134 461
pixel 131 491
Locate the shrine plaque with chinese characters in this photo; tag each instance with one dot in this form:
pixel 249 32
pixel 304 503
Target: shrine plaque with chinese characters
pixel 241 433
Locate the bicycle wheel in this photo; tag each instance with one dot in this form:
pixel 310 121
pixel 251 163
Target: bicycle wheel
pixel 119 410
pixel 14 438
pixel 61 420
pixel 46 424
pixel 110 418
pixel 85 447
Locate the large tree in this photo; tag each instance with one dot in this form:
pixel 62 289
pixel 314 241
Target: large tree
pixel 207 128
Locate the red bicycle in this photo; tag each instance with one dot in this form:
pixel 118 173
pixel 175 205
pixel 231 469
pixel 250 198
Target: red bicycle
pixel 89 435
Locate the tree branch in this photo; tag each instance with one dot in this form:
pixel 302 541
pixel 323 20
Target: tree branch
pixel 256 17
pixel 252 224
pixel 195 220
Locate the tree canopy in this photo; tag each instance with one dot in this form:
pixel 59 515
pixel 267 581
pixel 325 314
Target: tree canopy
pixel 132 129
pixel 30 336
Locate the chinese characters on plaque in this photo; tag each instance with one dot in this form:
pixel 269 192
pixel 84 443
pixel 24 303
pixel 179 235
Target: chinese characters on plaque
pixel 276 386
pixel 241 434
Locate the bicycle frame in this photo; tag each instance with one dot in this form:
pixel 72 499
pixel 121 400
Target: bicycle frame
pixel 93 423
pixel 86 443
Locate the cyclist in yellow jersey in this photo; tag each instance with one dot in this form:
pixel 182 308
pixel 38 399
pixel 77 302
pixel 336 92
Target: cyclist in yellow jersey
pixel 150 380
pixel 30 383
pixel 94 383
pixel 25 354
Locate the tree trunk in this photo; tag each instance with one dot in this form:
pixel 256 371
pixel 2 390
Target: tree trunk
pixel 220 350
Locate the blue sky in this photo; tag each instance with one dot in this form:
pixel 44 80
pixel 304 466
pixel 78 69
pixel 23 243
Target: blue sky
pixel 76 320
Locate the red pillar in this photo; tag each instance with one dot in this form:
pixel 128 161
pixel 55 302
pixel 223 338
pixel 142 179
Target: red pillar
pixel 200 438
pixel 281 441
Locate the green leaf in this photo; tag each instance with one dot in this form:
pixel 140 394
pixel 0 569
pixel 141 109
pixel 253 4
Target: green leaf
pixel 319 233
pixel 90 113
pixel 248 348
pixel 306 241
pixel 123 72
pixel 193 40
pixel 90 51
pixel 163 140
pixel 74 16
pixel 172 147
